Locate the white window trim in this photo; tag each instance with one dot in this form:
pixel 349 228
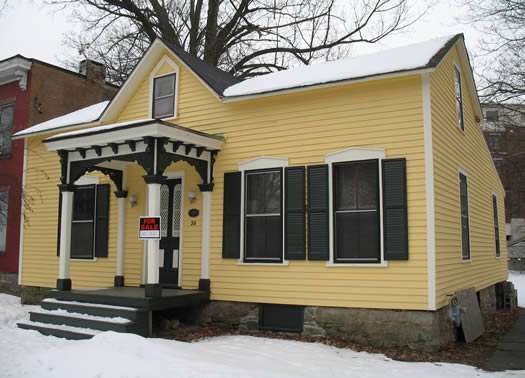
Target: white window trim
pixel 262 162
pixel 495 194
pixel 462 102
pixel 88 180
pixel 153 75
pixel 347 155
pixel 464 172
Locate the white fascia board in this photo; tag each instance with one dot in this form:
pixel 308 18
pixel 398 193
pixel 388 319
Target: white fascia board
pixel 133 133
pixel 326 85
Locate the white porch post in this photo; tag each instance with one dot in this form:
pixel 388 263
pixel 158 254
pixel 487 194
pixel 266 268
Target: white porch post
pixel 121 197
pixel 154 183
pixel 204 282
pixel 64 281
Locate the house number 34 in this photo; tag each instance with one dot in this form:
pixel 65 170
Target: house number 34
pixel 193 223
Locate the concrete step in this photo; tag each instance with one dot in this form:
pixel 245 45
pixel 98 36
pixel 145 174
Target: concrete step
pixel 71 333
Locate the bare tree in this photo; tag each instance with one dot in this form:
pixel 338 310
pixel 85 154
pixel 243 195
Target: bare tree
pixel 244 37
pixel 502 51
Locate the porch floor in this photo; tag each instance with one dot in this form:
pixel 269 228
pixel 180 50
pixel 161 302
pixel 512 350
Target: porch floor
pixel 135 297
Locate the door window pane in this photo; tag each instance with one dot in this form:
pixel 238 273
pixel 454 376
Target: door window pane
pixel 164 207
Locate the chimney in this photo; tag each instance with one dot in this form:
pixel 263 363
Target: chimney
pixel 93 71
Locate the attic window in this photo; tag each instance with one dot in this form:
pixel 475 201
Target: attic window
pixel 164 96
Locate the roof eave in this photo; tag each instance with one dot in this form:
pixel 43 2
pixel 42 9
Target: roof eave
pixel 388 75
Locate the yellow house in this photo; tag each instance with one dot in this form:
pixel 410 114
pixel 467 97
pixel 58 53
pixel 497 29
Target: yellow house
pixel 351 198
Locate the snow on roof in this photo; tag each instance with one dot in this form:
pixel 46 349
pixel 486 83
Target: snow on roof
pixel 403 58
pixel 97 129
pixel 84 115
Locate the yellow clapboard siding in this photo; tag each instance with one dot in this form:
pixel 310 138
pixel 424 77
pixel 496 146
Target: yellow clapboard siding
pixel 453 148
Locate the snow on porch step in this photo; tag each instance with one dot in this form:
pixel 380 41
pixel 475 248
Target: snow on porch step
pixel 131 313
pixel 66 332
pixel 62 317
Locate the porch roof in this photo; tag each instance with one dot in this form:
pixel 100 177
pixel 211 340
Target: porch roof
pixel 133 130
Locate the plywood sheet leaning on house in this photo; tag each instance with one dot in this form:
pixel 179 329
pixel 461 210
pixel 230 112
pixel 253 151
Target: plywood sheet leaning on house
pixel 471 321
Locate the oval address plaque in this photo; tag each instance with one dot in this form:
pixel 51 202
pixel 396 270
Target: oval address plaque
pixel 193 213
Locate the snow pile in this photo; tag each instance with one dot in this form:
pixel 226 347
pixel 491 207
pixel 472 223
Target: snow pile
pixel 518 279
pixel 394 60
pixel 29 354
pixel 11 311
pixel 84 115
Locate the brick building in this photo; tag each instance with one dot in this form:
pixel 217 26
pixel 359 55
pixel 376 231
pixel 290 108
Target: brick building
pixel 504 129
pixel 32 92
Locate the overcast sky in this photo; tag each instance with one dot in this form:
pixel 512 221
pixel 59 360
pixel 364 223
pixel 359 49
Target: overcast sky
pixel 36 31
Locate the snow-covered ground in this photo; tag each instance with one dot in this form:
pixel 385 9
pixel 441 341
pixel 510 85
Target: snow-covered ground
pixel 30 354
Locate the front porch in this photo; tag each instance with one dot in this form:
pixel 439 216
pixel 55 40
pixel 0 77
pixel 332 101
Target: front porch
pixel 135 297
pixel 167 167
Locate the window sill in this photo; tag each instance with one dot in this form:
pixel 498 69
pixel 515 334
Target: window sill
pixel 6 156
pixel 93 259
pixel 377 265
pixel 284 263
pixel 466 261
pixel 498 257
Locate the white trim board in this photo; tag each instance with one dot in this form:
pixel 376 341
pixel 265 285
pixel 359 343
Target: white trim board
pixel 429 187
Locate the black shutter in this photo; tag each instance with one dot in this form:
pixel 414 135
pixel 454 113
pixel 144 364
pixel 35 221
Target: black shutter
pixel 318 230
pixel 395 220
pixel 295 235
pixel 102 221
pixel 231 226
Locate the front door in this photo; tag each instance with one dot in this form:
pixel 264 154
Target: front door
pixel 170 202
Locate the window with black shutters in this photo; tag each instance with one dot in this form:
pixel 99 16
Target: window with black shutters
pixel 465 227
pixel 263 223
pixel 356 211
pixel 83 222
pixel 164 96
pixel 496 224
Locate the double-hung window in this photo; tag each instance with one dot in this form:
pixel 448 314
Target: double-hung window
pixel 263 222
pixel 83 223
pixel 465 226
pixel 459 98
pixel 164 96
pixel 4 202
pixel 6 128
pixel 356 211
pixel 90 220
